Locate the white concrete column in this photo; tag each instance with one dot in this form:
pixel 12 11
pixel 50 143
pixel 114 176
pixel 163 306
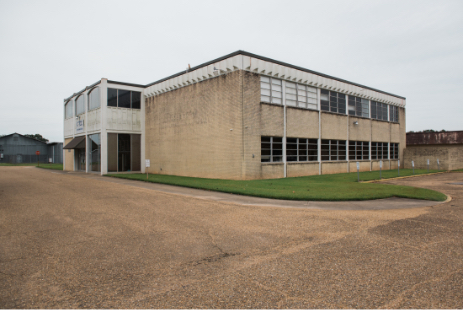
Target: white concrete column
pixel 103 132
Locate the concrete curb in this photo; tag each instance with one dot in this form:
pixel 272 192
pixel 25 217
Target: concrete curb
pixel 408 176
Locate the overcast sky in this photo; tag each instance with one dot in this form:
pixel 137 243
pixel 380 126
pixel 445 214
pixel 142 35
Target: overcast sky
pixel 51 49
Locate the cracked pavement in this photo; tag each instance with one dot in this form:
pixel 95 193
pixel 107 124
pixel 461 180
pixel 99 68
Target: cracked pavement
pixel 67 241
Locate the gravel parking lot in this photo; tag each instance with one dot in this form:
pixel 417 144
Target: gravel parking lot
pixel 68 241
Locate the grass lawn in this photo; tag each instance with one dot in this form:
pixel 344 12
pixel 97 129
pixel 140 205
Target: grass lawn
pixel 320 187
pixel 51 166
pixel 45 166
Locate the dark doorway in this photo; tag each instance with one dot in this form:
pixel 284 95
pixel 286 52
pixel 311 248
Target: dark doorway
pixel 124 152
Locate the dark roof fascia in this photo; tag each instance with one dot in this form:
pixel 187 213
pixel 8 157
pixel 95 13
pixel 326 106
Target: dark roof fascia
pixel 126 84
pixel 80 92
pixel 240 52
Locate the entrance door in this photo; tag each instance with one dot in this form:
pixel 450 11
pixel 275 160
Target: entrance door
pixel 81 160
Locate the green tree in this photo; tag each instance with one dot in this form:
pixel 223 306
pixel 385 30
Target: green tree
pixel 37 137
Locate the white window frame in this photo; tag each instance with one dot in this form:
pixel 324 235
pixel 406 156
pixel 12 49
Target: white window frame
pixel 270 89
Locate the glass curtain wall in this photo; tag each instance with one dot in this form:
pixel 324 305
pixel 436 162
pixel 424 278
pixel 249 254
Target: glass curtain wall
pixel 95 152
pixel 124 152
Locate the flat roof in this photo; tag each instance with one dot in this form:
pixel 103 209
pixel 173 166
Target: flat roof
pixel 240 52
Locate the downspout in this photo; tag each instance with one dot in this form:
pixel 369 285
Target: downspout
pixel 283 95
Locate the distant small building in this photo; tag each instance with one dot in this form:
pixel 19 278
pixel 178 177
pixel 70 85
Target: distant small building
pixel 446 146
pixel 16 149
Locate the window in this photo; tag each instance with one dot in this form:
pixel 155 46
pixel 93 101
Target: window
pixel 80 108
pixel 124 152
pixel 379 110
pixel 379 150
pixel 271 149
pixel 333 150
pixel 270 90
pixel 124 98
pixel 68 109
pixel 394 150
pixel 394 113
pixel 301 96
pixel 94 99
pixel 95 152
pixel 359 106
pixel 298 149
pixel 332 101
pixel 359 150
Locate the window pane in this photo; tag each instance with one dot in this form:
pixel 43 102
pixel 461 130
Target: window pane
pixel 112 97
pixel 68 109
pixel 276 88
pixel 291 103
pixel 136 152
pixel 265 98
pixel 136 100
pixel 264 86
pixel 265 79
pixel 94 99
pixel 80 108
pixel 123 152
pixel 123 99
pixel 112 152
pixel 265 92
pixel 290 85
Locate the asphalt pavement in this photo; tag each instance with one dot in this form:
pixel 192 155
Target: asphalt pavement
pixel 79 241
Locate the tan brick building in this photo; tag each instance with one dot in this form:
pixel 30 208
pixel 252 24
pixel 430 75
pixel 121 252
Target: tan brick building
pixel 244 116
pixel 447 147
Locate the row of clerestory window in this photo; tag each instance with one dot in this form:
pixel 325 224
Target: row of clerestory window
pixel 304 96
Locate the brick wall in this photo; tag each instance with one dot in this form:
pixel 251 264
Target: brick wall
pixel 68 157
pixel 188 131
pixel 197 130
pixel 450 156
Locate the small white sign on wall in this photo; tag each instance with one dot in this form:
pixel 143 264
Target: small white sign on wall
pixel 413 163
pixel 437 160
pixel 358 166
pixel 147 164
pixel 398 163
pixel 381 164
pixel 79 126
pixel 428 162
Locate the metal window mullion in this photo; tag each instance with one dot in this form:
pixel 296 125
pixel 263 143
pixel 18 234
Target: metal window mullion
pixel 271 149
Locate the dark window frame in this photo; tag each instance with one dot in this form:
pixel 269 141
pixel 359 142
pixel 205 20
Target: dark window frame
pixel 379 110
pixel 359 150
pixel 333 150
pixel 275 147
pixel 301 149
pixel 136 106
pixel 393 113
pixel 336 103
pixel 394 150
pixel 358 105
pixel 379 150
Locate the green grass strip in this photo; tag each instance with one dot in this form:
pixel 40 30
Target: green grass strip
pixel 331 187
pixel 45 166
